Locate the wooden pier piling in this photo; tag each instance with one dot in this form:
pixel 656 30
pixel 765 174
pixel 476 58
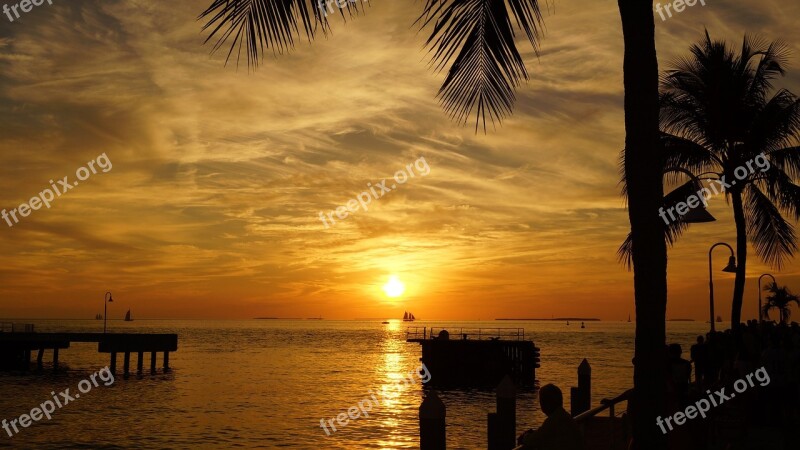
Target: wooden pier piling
pixel 153 363
pixel 139 364
pixel 126 365
pixel 16 347
pixel 581 396
pixel 432 425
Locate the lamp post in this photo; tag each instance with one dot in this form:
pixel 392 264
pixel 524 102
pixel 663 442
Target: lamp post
pixel 760 319
pixel 697 214
pixel 731 268
pixel 106 300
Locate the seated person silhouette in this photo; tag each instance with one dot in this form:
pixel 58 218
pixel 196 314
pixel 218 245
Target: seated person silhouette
pixel 559 431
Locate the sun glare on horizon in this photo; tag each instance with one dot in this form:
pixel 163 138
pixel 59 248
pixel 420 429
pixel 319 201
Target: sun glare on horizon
pixel 394 287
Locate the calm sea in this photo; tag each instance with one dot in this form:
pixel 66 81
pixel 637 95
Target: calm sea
pixel 267 384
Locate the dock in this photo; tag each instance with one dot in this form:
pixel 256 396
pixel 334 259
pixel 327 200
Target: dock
pixel 18 344
pixel 476 357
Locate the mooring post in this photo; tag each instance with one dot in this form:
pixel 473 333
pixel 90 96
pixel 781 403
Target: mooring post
pixel 581 397
pixel 55 359
pixel 114 363
pixel 140 364
pixel 39 359
pixel 152 363
pixel 432 426
pixel 26 363
pixel 126 365
pixel 507 413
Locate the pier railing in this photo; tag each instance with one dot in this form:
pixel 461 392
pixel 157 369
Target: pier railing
pixel 477 334
pixel 15 327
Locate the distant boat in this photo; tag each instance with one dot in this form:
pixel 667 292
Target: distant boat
pixel 568 323
pixel 583 325
pixel 385 322
pixel 408 317
pixel 629 318
pixel 128 316
pixel 719 319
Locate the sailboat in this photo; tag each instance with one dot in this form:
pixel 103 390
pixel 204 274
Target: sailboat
pixel 629 318
pixel 408 317
pixel 98 317
pixel 128 316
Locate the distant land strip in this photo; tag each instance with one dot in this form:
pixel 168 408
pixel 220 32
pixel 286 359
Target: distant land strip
pixel 574 319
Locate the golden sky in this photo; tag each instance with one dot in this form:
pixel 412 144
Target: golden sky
pixel 212 207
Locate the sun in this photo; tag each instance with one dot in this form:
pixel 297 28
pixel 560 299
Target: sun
pixel 394 287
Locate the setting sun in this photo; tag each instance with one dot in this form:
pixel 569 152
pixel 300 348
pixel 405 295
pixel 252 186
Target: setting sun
pixel 394 287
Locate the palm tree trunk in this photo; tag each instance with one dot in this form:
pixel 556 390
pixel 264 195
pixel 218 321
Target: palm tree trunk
pixel 643 173
pixel 741 256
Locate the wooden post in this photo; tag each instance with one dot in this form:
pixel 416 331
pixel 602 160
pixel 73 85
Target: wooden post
pixel 581 397
pixel 493 431
pixel 152 363
pixel 55 359
pixel 26 360
pixel 126 365
pixel 39 359
pixel 166 362
pixel 113 363
pixel 507 414
pixel 140 364
pixel 432 426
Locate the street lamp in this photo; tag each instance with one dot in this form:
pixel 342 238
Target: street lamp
pixel 731 268
pixel 698 214
pixel 106 300
pixel 760 319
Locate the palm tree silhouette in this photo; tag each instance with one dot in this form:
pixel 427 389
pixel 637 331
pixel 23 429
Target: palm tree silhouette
pixel 717 116
pixel 475 38
pixel 781 299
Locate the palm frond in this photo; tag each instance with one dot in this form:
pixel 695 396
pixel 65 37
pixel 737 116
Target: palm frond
pixel 254 26
pixel 782 191
pixel 776 124
pixel 772 236
pixel 476 38
pixel 787 160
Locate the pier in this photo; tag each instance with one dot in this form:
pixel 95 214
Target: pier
pixel 476 357
pixel 17 347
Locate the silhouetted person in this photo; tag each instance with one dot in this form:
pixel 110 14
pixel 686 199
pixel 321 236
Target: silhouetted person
pixel 680 371
pixel 699 355
pixel 559 431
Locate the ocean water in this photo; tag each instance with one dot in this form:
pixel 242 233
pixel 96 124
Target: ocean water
pixel 268 383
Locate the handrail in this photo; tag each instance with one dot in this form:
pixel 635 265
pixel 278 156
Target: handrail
pixel 478 334
pixel 604 405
